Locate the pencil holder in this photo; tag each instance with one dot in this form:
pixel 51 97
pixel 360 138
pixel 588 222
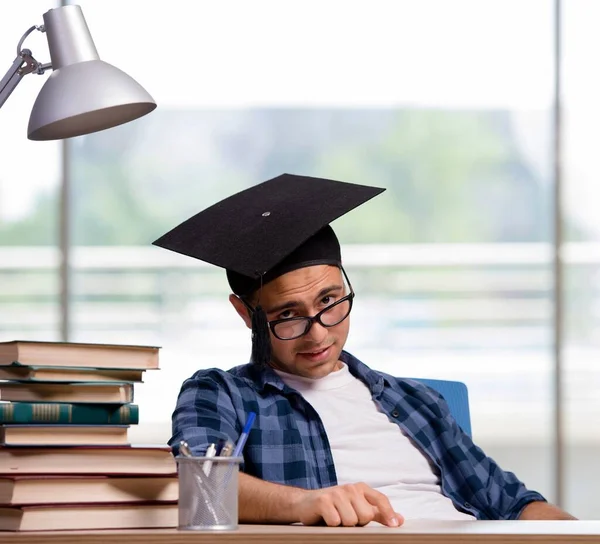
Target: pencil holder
pixel 208 493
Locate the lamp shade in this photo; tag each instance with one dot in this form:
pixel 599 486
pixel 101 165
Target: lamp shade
pixel 83 94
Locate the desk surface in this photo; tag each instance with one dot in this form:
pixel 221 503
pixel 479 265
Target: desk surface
pixel 416 531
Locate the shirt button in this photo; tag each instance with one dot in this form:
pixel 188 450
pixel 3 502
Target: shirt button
pixel 395 413
pixel 467 506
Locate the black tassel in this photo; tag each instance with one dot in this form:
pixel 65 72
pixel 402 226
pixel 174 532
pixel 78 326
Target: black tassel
pixel 261 341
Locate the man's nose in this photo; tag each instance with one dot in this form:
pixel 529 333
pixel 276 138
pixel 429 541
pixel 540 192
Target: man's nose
pixel 317 333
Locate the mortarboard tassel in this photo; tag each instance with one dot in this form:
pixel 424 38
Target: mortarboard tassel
pixel 261 341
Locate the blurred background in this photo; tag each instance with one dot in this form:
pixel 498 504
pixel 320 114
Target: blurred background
pixel 447 104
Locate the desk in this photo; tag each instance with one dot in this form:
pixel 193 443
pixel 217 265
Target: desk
pixel 414 532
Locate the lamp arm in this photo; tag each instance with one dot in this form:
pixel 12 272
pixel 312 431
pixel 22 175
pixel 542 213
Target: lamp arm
pixel 22 65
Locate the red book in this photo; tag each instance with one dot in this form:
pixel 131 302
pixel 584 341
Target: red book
pixel 88 517
pixel 135 459
pixel 30 489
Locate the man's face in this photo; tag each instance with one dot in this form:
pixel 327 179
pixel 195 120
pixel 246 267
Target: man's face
pixel 305 292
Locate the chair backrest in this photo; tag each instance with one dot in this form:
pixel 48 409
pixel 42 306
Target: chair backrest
pixel 457 397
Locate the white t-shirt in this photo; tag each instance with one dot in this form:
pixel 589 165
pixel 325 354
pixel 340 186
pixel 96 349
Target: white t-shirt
pixel 368 447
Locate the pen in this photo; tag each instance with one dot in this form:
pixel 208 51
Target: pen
pixel 210 452
pixel 227 449
pixel 238 450
pixel 184 449
pixel 220 445
pixel 244 436
pixel 187 452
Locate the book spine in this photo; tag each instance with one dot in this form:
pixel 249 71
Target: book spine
pixel 63 413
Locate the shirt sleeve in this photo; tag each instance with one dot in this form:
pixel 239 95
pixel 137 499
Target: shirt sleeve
pixel 204 413
pixel 500 494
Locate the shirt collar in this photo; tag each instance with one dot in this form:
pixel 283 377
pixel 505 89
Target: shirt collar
pixel 264 377
pixel 372 379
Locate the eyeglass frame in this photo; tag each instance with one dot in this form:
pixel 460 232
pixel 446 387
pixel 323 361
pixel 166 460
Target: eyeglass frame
pixel 311 320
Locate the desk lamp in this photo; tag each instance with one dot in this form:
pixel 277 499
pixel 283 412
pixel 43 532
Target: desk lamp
pixel 83 94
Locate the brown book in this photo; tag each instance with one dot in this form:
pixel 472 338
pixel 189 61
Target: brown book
pixel 95 393
pixel 18 372
pixel 72 354
pixel 20 490
pixel 88 517
pixel 63 435
pixel 128 460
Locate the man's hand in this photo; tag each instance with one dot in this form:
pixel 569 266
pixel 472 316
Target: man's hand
pixel 347 505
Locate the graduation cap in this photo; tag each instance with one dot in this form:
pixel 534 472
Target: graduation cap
pixel 265 231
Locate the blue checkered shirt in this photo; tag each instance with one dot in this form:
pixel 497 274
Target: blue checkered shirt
pixel 288 444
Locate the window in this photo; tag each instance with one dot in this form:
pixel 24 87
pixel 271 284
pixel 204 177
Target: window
pixel 29 197
pixel 458 134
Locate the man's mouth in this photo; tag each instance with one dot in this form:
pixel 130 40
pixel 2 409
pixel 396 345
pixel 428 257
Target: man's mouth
pixel 316 354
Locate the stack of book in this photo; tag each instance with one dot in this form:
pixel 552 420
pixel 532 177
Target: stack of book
pixel 65 458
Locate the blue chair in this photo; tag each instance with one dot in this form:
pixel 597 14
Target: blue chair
pixel 457 397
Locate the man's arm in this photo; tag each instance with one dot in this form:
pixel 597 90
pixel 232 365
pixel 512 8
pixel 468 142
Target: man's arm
pixel 492 491
pixel 543 510
pixel 204 413
pixel 265 502
pixel 347 505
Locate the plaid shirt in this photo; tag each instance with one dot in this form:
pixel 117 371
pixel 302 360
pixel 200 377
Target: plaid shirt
pixel 288 444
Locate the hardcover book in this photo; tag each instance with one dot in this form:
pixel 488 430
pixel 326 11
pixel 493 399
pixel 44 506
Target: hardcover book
pixel 96 393
pixel 90 516
pixel 82 414
pixel 72 354
pixel 128 460
pixel 18 372
pixel 63 435
pixel 41 489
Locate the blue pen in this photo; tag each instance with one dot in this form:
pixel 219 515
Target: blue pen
pixel 236 453
pixel 244 436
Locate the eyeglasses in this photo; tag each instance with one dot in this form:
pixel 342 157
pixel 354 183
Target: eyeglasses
pixel 295 327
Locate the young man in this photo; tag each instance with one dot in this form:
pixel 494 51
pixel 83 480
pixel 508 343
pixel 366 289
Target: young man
pixel 334 441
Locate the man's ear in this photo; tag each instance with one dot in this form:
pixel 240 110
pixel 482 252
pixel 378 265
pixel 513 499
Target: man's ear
pixel 242 311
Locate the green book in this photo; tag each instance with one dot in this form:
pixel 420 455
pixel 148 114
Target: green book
pixel 63 413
